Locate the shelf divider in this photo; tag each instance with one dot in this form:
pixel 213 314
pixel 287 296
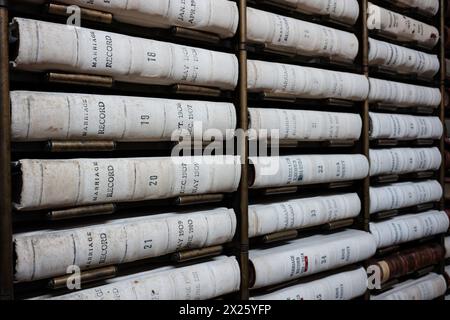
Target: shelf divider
pixel 6 249
pixel 241 201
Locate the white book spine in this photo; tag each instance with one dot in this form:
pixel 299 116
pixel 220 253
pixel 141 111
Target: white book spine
pixel 301 213
pixel 402 59
pixel 301 37
pixel 404 160
pixel 408 228
pixel 220 17
pixel 114 280
pixel 304 125
pixel 430 7
pixel 307 169
pixel 342 286
pixel 402 94
pixel 429 287
pixel 342 10
pixel 404 127
pixel 309 256
pixel 196 282
pixel 403 195
pixel 118 241
pixel 401 27
pixel 47 46
pixel 38 116
pixel 305 82
pixel 95 181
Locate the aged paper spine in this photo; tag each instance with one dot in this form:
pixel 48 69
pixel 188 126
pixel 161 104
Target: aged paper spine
pixel 305 82
pixel 301 213
pixel 404 160
pixel 408 228
pixel 300 258
pixel 95 181
pixel 213 16
pixel 300 37
pixel 302 125
pixel 402 94
pixel 346 11
pixel 426 288
pixel 404 127
pixel 307 169
pixel 342 286
pixel 196 282
pixel 402 59
pixel 38 116
pixel 401 27
pixel 403 195
pixel 45 46
pixel 118 241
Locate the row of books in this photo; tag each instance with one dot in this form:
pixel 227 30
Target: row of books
pixel 293 260
pixel 39 116
pixel 70 49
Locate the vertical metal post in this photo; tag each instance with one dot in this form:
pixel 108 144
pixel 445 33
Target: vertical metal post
pixel 443 76
pixel 243 152
pixel 365 139
pixel 365 112
pixel 6 263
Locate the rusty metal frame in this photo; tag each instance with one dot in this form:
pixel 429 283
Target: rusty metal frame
pixel 6 250
pixel 241 201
